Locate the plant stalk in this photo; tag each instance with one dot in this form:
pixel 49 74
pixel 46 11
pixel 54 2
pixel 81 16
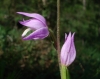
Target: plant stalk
pixel 58 30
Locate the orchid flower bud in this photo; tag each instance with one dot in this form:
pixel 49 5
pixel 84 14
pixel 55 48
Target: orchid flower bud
pixel 68 51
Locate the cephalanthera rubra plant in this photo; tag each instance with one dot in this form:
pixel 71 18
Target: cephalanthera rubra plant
pixel 37 24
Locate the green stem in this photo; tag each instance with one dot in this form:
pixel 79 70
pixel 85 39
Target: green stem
pixel 64 72
pixel 58 31
pixel 53 39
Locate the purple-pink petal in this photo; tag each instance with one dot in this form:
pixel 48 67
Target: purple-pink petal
pixel 65 36
pixel 65 48
pixel 72 54
pixel 38 34
pixel 32 23
pixel 34 15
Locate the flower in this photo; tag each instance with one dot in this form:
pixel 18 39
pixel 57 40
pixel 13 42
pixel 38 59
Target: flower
pixel 68 51
pixel 37 24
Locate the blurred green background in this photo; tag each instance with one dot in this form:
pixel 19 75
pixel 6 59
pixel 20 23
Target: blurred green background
pixel 38 59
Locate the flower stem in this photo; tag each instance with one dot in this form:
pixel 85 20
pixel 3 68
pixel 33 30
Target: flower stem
pixel 64 72
pixel 58 30
pixel 53 38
